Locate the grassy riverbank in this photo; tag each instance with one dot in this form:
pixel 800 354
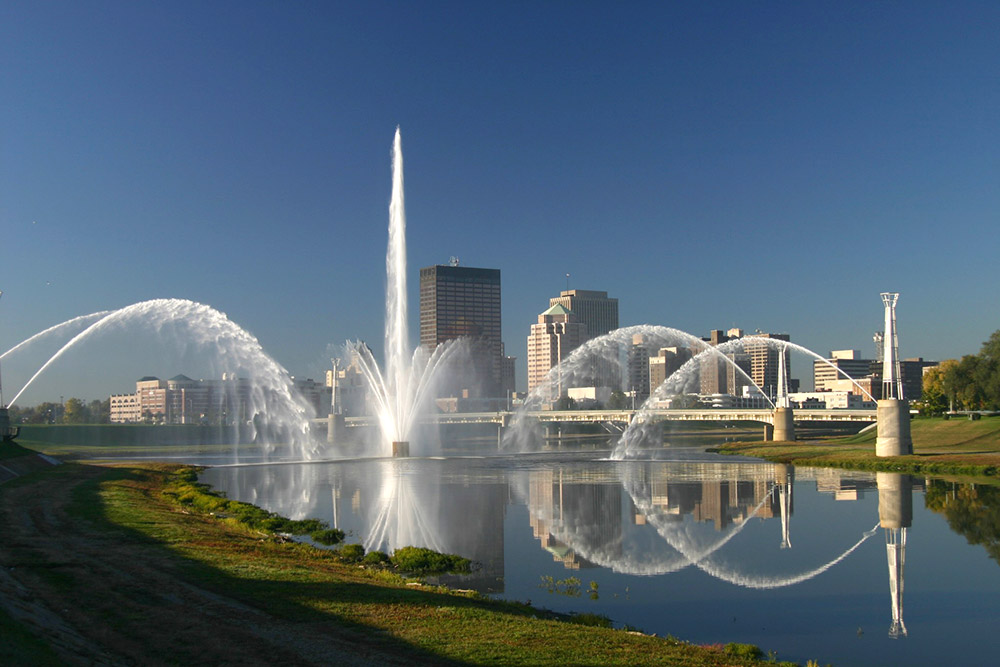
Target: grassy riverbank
pixel 940 446
pixel 109 564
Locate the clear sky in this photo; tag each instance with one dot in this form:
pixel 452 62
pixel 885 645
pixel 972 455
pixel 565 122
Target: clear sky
pixel 767 165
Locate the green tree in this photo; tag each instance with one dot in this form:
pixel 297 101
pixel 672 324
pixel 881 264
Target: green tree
pixel 935 400
pixel 43 413
pixel 100 411
pixel 75 412
pixel 565 403
pixel 968 392
pixel 617 401
pixel 987 373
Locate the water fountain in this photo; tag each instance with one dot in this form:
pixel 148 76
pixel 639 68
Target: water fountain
pixel 401 390
pixel 271 412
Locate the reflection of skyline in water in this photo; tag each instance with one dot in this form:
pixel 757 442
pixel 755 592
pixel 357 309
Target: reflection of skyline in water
pixel 637 518
pixel 689 538
pixel 578 517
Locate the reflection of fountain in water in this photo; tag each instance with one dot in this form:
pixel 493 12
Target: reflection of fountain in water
pixel 400 390
pixel 267 405
pixel 405 512
pixel 684 542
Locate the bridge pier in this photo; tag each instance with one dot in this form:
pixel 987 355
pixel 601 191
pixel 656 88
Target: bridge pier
pixel 784 425
pixel 335 428
pixel 893 428
pixel 768 432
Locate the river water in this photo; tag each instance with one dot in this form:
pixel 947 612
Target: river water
pixel 842 567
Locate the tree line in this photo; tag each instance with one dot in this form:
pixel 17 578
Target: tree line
pixel 969 383
pixel 73 411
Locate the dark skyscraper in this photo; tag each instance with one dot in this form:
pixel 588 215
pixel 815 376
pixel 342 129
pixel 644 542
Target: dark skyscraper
pixel 458 301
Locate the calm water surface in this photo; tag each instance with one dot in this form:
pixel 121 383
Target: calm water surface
pixel 800 561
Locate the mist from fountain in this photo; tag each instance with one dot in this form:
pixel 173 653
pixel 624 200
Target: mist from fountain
pixel 271 403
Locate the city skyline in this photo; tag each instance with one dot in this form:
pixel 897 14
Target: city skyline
pixel 711 167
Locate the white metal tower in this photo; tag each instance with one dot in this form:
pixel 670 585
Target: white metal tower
pixel 892 380
pixel 782 400
pixel 335 407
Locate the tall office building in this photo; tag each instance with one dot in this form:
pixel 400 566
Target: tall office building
pixel 827 375
pixel 663 365
pixel 715 372
pixel 590 307
pixel 638 356
pixel 764 360
pixel 867 373
pixel 757 359
pixel 457 301
pixel 556 334
pixel 600 315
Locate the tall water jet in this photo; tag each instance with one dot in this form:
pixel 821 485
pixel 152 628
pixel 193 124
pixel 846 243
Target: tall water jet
pixel 396 335
pixel 402 389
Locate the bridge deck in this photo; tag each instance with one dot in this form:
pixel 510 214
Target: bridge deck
pixel 763 415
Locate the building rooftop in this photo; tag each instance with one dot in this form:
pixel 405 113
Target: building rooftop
pixel 558 309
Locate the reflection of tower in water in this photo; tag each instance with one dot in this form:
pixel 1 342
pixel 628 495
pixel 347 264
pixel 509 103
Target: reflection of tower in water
pixel 895 514
pixel 784 477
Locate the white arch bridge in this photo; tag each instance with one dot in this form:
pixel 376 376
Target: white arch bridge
pixel 502 419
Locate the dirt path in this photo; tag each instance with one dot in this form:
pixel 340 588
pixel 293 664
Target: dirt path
pixel 106 599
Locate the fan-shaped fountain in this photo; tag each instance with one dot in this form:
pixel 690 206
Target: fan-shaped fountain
pixel 270 411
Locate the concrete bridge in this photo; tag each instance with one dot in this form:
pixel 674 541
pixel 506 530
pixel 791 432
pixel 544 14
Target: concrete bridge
pixel 778 424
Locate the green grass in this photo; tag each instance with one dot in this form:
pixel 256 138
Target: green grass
pixel 956 447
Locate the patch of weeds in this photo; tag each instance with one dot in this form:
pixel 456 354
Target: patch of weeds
pixel 419 560
pixel 328 536
pixel 592 620
pixel 351 553
pixel 570 586
pixel 743 651
pixel 375 558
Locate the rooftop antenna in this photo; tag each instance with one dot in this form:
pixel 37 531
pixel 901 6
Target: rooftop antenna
pixel 453 261
pixel 567 282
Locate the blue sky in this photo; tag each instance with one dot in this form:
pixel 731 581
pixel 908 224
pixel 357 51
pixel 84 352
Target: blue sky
pixel 763 165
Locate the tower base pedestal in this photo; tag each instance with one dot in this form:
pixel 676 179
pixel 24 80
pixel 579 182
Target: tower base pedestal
pixel 400 448
pixel 335 427
pixel 893 428
pixel 784 425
